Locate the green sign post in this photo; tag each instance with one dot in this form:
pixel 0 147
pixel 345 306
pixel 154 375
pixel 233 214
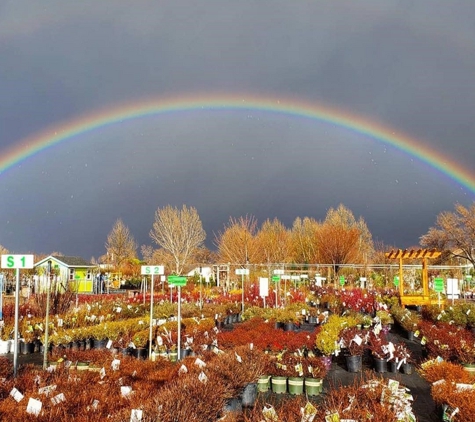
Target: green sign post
pixel 396 280
pixel 438 287
pixel 176 280
pixel 275 278
pixel 438 284
pixel 342 280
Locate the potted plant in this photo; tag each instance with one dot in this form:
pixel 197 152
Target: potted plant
pixel 401 359
pixel 378 345
pixel 409 321
pixel 328 337
pixel 353 343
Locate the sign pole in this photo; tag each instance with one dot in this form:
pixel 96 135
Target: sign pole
pixel 242 286
pixel 151 318
pixel 201 293
pixel 1 297
pixel 16 262
pixel 45 346
pixel 179 323
pixel 17 306
pixel 150 270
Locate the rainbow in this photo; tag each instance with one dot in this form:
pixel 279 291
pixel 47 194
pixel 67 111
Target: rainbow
pixel 298 108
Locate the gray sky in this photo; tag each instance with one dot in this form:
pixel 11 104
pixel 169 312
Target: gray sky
pixel 405 65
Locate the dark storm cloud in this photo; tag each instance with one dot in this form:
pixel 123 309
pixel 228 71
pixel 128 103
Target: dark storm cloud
pixel 404 64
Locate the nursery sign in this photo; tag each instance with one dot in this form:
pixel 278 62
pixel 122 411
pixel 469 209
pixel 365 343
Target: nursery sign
pixel 177 280
pixel 17 261
pixel 152 270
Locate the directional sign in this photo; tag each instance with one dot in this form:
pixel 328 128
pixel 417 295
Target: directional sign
pixel 17 261
pixel 152 270
pixel 242 271
pixel 176 280
pixel 438 284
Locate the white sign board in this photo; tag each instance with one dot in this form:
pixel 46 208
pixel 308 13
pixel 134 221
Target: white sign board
pixel 263 286
pixel 319 280
pixel 279 272
pixel 453 291
pixel 152 270
pixel 285 277
pixel 18 261
pixel 242 271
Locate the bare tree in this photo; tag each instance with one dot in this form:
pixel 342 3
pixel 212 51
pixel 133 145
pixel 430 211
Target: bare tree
pixel 454 232
pixel 273 242
pixel 236 243
pixel 304 240
pixel 180 232
pixel 120 245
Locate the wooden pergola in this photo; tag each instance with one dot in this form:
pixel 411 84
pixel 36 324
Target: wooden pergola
pixel 424 255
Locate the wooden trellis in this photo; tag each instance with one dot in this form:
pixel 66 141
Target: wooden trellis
pixel 424 255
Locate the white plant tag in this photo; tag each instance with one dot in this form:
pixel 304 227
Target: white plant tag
pixel 34 406
pixel 125 390
pixel 202 377
pixel 183 369
pixel 199 363
pixel 17 396
pixel 58 399
pixel 136 415
pixel 115 364
pixel 102 373
pixel 238 358
pixel 308 412
pixel 47 390
pixel 109 344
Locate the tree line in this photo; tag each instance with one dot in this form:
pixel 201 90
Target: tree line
pixel 178 241
pixel 339 239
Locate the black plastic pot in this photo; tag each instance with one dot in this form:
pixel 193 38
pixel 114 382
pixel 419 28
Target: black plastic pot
pixel 354 363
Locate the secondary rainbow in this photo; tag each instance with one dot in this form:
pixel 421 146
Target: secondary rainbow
pixel 102 118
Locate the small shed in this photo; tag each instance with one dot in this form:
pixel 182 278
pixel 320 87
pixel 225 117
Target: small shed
pixel 67 272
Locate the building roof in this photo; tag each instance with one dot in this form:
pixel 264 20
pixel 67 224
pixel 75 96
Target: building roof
pixel 69 261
